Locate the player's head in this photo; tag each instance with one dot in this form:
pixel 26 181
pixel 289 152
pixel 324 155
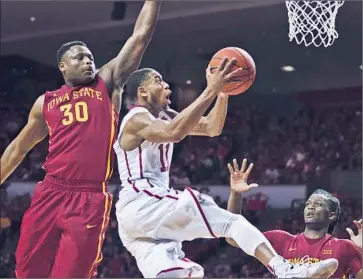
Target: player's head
pixel 322 210
pixel 76 63
pixel 146 87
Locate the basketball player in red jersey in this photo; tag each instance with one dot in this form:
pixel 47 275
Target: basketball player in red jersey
pixel 316 243
pixel 63 230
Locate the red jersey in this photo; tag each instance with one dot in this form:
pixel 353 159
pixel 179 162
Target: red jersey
pixel 82 126
pixel 295 247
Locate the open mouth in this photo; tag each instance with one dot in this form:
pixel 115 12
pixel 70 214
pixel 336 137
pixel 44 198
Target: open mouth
pixel 167 99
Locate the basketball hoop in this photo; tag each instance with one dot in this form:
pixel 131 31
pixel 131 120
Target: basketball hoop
pixel 313 22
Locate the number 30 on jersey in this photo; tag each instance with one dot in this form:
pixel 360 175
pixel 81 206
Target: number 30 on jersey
pixel 77 113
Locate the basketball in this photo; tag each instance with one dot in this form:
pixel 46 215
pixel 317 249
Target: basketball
pixel 238 84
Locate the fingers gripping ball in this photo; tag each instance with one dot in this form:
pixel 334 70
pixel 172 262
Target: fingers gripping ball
pixel 237 84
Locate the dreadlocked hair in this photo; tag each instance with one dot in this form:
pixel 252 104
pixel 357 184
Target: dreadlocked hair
pixel 334 206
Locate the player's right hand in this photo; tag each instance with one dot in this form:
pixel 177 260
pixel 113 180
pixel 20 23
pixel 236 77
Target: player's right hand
pixel 239 177
pixel 357 239
pixel 219 77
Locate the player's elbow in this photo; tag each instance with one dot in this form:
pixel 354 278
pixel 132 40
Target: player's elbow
pixel 14 153
pixel 18 150
pixel 177 137
pixel 231 242
pixel 213 130
pixel 142 38
pixel 214 133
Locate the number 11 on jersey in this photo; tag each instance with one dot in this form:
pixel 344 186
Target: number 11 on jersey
pixel 164 167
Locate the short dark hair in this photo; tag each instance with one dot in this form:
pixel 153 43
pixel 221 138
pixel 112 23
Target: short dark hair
pixel 65 47
pixel 334 206
pixel 135 80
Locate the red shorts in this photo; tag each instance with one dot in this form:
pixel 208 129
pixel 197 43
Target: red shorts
pixel 63 230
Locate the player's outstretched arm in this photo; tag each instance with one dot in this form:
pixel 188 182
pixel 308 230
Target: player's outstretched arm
pixel 116 72
pixel 212 124
pixel 145 127
pixel 238 181
pixel 34 131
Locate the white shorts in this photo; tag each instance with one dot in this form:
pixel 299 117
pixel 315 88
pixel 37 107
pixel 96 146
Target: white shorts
pixel 154 221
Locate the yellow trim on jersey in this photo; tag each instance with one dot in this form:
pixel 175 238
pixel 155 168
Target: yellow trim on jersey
pixel 105 220
pixel 108 204
pixel 50 129
pixel 109 167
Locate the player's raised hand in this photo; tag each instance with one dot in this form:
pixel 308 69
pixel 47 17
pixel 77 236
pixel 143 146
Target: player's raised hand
pixel 220 76
pixel 239 176
pixel 357 239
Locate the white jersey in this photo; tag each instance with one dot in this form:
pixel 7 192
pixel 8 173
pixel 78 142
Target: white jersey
pixel 149 162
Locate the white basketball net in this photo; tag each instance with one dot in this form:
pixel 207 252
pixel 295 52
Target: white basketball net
pixel 313 22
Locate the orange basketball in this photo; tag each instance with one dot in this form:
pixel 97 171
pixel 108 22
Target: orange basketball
pixel 241 83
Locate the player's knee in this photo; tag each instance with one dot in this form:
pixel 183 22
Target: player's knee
pixel 240 222
pixel 193 272
pixel 240 230
pixel 234 220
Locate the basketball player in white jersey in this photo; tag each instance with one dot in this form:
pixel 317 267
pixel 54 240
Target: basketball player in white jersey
pixel 154 219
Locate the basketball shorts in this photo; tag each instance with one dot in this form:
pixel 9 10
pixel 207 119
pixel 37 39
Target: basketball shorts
pixel 154 221
pixel 63 230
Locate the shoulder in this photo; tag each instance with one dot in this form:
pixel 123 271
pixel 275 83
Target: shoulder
pixel 101 84
pixel 50 95
pixel 281 235
pixel 139 112
pixel 104 75
pixel 40 99
pixel 55 92
pixel 279 232
pixel 346 245
pixel 37 109
pixel 138 117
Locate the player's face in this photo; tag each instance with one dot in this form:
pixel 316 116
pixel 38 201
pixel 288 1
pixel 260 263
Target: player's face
pixel 158 91
pixel 78 65
pixel 317 211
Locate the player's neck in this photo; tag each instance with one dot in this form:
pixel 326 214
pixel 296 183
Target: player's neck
pixel 315 233
pixel 154 111
pixel 70 84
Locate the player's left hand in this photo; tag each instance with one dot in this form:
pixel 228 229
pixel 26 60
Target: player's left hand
pixel 357 239
pixel 239 177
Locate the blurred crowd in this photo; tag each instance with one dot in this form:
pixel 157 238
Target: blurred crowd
pixel 284 149
pixel 215 255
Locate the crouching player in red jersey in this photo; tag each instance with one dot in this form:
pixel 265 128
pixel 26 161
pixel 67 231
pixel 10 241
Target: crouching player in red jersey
pixel 63 230
pixel 316 243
